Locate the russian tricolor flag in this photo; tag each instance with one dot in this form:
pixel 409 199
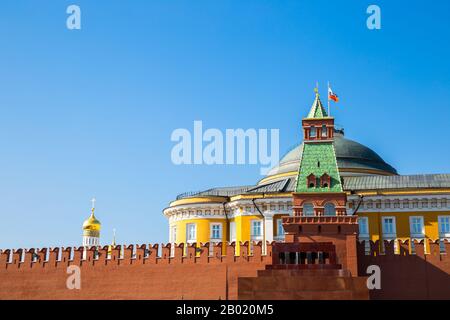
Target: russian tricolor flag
pixel 332 95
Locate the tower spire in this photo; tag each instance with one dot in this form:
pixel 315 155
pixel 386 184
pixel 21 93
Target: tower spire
pixel 93 200
pixel 317 110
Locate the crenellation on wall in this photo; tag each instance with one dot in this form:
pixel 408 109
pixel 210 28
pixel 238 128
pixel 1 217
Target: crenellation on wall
pixel 230 251
pixel 29 257
pixel 178 253
pixel 217 251
pixel 227 261
pixel 78 256
pixel 88 256
pixel 141 251
pixel 244 251
pixel 17 256
pixel 388 248
pixel 152 253
pixel 203 253
pixel 128 254
pixel 174 254
pixel 53 257
pixel 102 256
pixel 66 255
pixel 398 248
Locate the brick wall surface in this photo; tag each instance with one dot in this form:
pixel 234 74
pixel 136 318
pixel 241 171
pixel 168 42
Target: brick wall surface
pixel 139 273
pixel 423 275
pixel 149 272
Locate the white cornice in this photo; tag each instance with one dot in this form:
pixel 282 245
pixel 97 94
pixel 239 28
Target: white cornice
pixel 401 203
pixel 272 206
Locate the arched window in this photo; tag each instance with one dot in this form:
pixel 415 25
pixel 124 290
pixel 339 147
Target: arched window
pixel 308 210
pixel 313 132
pixel 330 209
pixel 324 131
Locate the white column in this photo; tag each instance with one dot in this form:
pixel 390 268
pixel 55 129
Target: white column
pixel 268 228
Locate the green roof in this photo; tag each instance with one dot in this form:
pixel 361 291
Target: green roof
pixel 317 109
pixel 318 159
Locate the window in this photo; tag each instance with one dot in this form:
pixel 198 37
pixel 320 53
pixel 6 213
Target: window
pixel 232 231
pixel 416 227
pixel 256 229
pixel 444 226
pixel 308 210
pixel 216 231
pixel 388 225
pixel 313 132
pixel 311 181
pixel 389 232
pixel 325 180
pixel 444 231
pixel 280 229
pixel 191 232
pixel 363 227
pixel 324 131
pixel 330 209
pixel 363 223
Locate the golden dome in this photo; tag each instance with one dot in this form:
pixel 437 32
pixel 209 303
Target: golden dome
pixel 91 226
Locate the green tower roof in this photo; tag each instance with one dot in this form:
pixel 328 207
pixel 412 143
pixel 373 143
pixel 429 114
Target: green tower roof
pixel 318 158
pixel 317 109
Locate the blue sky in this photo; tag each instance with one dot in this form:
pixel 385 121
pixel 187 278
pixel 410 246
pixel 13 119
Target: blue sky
pixel 90 112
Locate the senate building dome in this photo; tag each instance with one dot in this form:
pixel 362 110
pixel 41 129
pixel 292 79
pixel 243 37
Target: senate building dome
pixel 353 159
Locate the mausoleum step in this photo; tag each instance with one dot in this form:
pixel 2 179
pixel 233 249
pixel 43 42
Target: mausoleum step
pixel 305 273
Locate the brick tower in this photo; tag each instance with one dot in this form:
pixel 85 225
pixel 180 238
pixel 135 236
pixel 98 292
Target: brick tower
pixel 318 259
pixel 319 201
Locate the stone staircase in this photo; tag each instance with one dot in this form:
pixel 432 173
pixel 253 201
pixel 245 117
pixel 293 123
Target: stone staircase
pixel 302 284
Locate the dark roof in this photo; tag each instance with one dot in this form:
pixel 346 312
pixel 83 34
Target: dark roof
pixel 286 185
pixel 423 181
pixel 220 192
pixel 351 154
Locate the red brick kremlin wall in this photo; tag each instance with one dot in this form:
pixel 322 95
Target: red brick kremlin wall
pixel 139 274
pixel 143 274
pixel 423 275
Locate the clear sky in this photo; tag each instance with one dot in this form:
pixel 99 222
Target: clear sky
pixel 90 112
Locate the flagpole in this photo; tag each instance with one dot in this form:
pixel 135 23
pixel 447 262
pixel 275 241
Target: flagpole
pixel 328 96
